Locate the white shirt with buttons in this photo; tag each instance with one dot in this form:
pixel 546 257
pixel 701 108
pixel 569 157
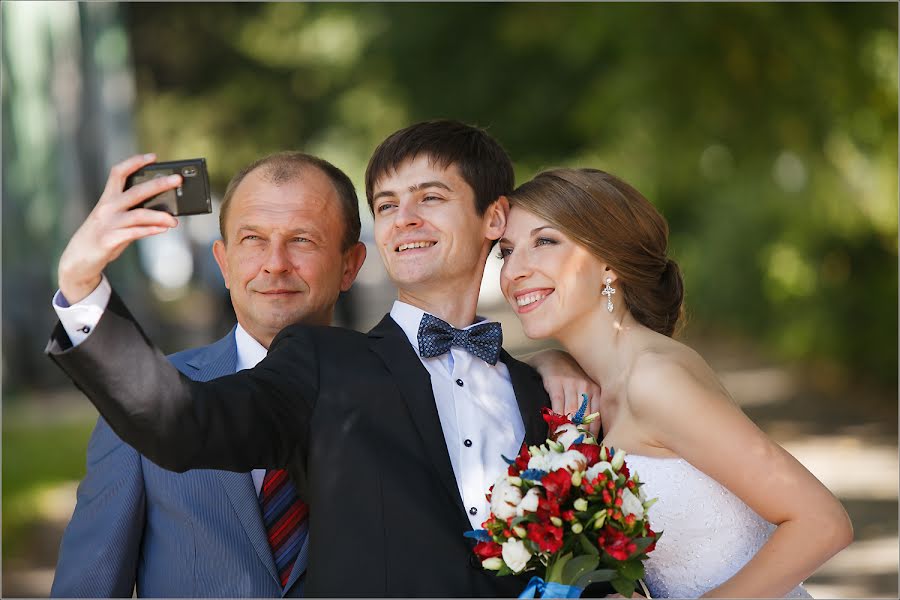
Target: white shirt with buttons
pixel 79 320
pixel 478 411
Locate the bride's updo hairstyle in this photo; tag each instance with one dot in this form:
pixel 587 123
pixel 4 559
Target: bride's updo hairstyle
pixel 618 226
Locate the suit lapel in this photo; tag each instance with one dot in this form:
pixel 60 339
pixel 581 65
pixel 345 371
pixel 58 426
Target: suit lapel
pixel 393 348
pixel 530 396
pixel 221 359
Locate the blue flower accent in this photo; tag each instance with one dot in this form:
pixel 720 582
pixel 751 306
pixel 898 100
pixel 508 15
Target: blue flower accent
pixel 578 419
pixel 533 474
pixel 480 535
pixel 578 440
pixel 508 461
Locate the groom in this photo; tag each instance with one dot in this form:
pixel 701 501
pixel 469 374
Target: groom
pixel 393 437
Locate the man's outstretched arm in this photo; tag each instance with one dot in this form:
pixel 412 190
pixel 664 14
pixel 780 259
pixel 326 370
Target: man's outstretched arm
pixel 243 421
pixel 239 422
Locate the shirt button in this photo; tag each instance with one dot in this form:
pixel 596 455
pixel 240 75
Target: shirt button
pixel 473 511
pixel 468 443
pixel 85 329
pixel 459 382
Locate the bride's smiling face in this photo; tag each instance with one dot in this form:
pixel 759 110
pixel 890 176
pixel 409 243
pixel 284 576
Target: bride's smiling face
pixel 549 280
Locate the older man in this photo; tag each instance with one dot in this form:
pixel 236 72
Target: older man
pixel 290 244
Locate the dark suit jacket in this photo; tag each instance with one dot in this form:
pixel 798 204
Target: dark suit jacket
pixel 352 416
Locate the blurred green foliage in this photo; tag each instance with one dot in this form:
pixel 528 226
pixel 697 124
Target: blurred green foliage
pixel 765 132
pixel 37 457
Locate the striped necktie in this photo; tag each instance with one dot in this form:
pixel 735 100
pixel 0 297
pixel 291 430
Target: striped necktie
pixel 284 515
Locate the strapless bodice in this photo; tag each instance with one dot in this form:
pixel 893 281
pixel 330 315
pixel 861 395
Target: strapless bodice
pixel 709 533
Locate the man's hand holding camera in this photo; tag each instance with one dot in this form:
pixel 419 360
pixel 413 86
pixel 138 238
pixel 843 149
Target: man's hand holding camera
pixel 112 225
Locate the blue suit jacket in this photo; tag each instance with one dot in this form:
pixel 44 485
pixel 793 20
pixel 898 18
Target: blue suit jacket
pixel 193 534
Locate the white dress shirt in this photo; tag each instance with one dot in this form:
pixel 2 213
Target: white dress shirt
pixel 478 412
pixel 79 320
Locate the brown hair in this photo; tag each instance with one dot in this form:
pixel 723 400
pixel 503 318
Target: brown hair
pixel 618 226
pixel 481 160
pixel 283 167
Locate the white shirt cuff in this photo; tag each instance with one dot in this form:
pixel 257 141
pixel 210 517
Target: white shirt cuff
pixel 80 318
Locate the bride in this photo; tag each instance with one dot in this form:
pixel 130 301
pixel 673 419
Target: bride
pixel 585 263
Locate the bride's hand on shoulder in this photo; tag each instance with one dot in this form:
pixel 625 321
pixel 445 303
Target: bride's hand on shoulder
pixel 565 382
pixel 683 407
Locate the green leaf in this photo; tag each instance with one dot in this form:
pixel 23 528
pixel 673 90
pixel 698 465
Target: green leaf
pixel 633 569
pixel 577 567
pixel 555 569
pixel 587 546
pixel 598 576
pixel 623 586
pixel 641 543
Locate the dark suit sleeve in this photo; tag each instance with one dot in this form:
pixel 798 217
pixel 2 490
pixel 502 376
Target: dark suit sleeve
pixel 252 419
pixel 99 552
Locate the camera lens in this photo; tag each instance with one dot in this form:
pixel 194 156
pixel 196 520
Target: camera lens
pixel 189 171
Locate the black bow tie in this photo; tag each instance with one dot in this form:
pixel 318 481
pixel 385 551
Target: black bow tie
pixel 436 336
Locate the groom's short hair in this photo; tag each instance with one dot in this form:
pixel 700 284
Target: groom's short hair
pixel 481 160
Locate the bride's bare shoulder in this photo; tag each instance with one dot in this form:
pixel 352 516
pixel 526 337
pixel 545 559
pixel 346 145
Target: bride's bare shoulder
pixel 667 372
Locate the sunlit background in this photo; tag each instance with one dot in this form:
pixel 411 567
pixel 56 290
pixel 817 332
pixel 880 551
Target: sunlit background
pixel 765 133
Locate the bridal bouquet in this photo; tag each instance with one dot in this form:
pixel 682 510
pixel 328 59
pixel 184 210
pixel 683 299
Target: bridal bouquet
pixel 570 510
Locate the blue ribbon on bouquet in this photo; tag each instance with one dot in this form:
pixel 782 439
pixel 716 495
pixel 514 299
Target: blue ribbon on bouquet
pixel 538 588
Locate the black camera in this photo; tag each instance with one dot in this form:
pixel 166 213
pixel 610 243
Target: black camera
pixel 190 198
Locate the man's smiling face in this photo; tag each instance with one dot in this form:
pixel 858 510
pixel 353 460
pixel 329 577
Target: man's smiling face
pixel 426 227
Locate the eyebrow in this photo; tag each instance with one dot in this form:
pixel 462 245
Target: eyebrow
pixel 303 230
pixel 414 188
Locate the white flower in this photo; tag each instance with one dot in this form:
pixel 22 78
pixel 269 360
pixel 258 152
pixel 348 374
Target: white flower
pixel 618 459
pixel 505 498
pixel 529 503
pixel 598 468
pixel 572 461
pixel 540 462
pixel 631 504
pixel 493 563
pixel 515 555
pixel 566 434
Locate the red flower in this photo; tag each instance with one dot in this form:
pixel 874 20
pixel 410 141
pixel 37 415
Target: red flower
pixel 624 471
pixel 548 507
pixel 547 536
pixel 485 550
pixel 615 543
pixel 652 546
pixel 558 484
pixel 591 452
pixel 553 420
pixel 568 515
pixel 606 497
pixel 523 458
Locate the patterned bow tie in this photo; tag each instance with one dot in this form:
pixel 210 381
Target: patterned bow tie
pixel 436 336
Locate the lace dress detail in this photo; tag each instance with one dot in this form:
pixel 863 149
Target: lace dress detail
pixel 709 533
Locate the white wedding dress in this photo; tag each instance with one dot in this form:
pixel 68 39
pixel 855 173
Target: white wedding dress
pixel 709 533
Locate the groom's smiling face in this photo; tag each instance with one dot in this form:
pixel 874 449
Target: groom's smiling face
pixel 427 230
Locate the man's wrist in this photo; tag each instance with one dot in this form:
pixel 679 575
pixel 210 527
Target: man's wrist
pixel 76 291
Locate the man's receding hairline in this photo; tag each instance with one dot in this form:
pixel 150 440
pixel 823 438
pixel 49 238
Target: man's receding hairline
pixel 293 174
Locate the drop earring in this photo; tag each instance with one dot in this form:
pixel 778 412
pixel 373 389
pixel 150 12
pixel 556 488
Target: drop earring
pixel 608 291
